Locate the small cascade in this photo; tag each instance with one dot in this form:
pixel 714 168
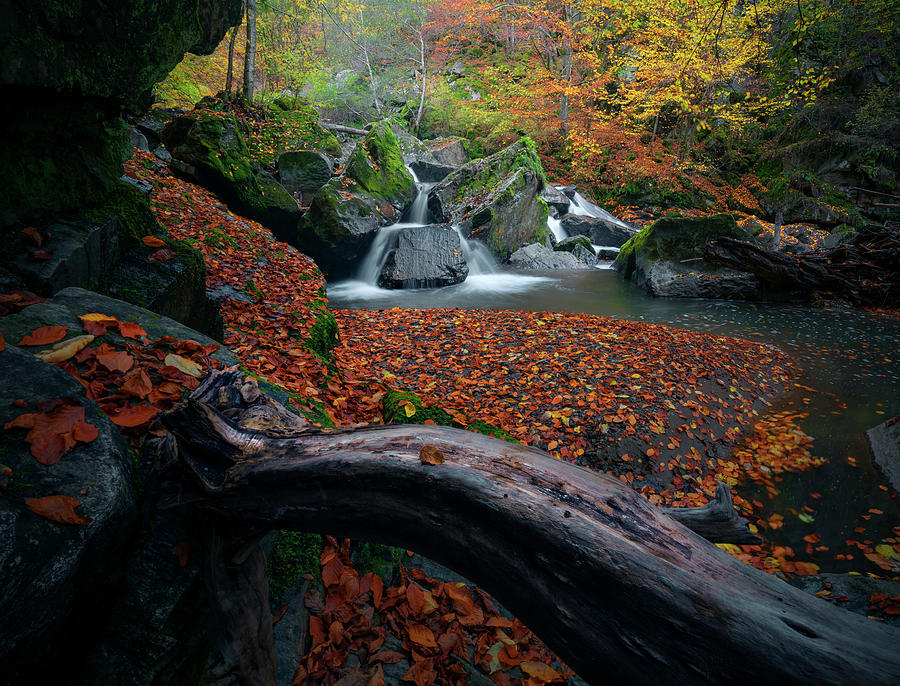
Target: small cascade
pixel 556 228
pixel 371 266
pixel 478 257
pixel 581 205
pixel 417 213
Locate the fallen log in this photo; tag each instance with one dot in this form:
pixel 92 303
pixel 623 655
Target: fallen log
pixel 616 587
pixel 340 128
pixel 718 521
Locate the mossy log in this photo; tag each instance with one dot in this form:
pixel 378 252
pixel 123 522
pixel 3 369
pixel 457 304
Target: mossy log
pixel 621 591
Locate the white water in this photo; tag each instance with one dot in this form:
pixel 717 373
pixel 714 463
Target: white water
pixel 555 226
pixel 478 257
pixel 581 205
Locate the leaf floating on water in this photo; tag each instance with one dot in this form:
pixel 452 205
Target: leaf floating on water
pixel 57 508
pixel 431 455
pixel 185 365
pixel 45 335
pixel 65 349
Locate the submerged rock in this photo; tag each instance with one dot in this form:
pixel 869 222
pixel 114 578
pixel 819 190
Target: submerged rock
pixel 425 257
pixel 537 256
pixel 600 231
pixel 665 259
pixel 496 199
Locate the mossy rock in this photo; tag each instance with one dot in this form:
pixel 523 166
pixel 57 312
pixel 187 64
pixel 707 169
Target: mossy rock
pixel 571 243
pixel 376 164
pixel 293 555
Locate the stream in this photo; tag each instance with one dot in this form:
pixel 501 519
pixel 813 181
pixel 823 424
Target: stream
pixel 850 358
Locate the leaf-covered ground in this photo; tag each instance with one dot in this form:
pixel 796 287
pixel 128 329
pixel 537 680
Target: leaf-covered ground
pixel 665 410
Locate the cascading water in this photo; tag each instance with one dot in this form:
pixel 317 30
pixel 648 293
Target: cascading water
pixel 556 228
pixel 581 205
pixel 478 257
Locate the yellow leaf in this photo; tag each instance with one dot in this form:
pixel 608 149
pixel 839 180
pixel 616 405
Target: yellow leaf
pixel 885 550
pixel 409 409
pixel 540 671
pixel 183 364
pixel 64 350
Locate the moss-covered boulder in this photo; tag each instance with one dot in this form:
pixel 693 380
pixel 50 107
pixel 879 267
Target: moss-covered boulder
pixel 304 172
pixel 496 199
pixel 339 227
pixel 376 164
pixel 211 148
pixel 655 259
pixel 67 70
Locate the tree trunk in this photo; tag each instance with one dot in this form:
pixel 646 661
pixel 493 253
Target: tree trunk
pixel 621 591
pixel 229 75
pixel 424 67
pixel 250 53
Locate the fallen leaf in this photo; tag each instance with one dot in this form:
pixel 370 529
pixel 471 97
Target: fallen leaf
pixel 183 364
pixel 2 342
pixel 132 330
pixel 422 635
pixel 34 235
pixel 40 255
pixel 114 360
pixel 540 671
pixel 138 384
pixel 57 508
pixel 130 417
pixel 153 242
pixel 431 455
pixel 409 409
pixel 64 350
pixel 45 335
pixel 96 323
pixel 161 255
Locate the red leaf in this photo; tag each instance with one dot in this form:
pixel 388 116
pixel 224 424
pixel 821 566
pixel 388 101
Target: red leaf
pixel 114 360
pixel 153 242
pixel 45 335
pixel 40 255
pixel 161 255
pixel 2 343
pixel 138 384
pixel 130 417
pixel 132 330
pixel 57 508
pixel 34 235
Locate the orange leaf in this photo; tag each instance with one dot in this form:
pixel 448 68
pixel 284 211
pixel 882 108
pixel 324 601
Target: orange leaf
pixel 96 323
pixel 422 635
pixel 132 330
pixel 153 242
pixel 57 508
pixel 540 671
pixel 161 255
pixel 44 336
pixel 114 360
pixel 138 384
pixel 422 673
pixel 431 455
pixel 387 656
pixel 34 235
pixel 130 417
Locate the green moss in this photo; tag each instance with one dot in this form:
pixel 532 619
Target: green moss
pixel 583 241
pixel 375 557
pixel 393 409
pixel 376 164
pixel 324 335
pixel 293 555
pixel 489 429
pixel 678 238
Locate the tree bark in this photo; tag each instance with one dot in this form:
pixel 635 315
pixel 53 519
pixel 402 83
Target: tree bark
pixel 250 52
pixel 621 591
pixel 229 75
pixel 342 129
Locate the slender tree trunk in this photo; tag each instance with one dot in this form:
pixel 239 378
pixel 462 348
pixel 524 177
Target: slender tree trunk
pixel 229 76
pixel 250 54
pixel 424 67
pixel 372 82
pixel 779 218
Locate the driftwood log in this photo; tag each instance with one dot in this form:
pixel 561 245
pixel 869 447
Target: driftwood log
pixel 340 128
pixel 616 587
pixel 866 270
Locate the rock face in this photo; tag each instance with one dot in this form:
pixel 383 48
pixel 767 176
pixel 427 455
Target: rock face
pixel 63 152
pixel 425 257
pixel 339 227
pixel 496 199
pixel 304 172
pixel 537 256
pixel 555 199
pixel 419 157
pixel 376 165
pixel 884 440
pixel 448 151
pixel 653 259
pixel 212 149
pixel 600 232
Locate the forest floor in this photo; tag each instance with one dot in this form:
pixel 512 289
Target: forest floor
pixel 666 410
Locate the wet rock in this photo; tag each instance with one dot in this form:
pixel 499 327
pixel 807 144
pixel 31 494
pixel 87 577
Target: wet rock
pixel 424 257
pixel 496 199
pixel 376 165
pixel 419 157
pixel 57 578
pixel 537 256
pixel 600 231
pixel 555 199
pixel 580 246
pixel 138 140
pixel 884 440
pixel 665 259
pixel 449 152
pixel 835 239
pixel 304 172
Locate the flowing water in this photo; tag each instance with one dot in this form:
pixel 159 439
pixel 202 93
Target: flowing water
pixel 850 358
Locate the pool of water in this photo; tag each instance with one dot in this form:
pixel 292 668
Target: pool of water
pixel 850 358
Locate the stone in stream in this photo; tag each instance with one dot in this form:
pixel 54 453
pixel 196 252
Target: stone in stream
pixel 665 259
pixel 884 440
pixel 496 199
pixel 580 246
pixel 420 158
pixel 600 231
pixel 555 199
pixel 537 256
pixel 376 164
pixel 448 151
pixel 425 257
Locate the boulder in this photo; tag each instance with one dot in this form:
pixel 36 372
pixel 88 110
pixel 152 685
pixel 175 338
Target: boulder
pixel 64 151
pixel 339 227
pixel 607 253
pixel 419 158
pixel 580 246
pixel 448 151
pixel 212 150
pixel 57 578
pixel 376 165
pixel 600 231
pixel 833 240
pixel 303 172
pixel 884 440
pixel 537 256
pixel 555 199
pixel 424 257
pixel 496 199
pixel 665 259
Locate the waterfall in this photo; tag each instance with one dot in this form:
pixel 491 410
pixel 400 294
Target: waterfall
pixel 555 226
pixel 478 257
pixel 371 266
pixel 581 205
pixel 417 213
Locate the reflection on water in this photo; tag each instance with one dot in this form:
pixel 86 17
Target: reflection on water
pixel 851 359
